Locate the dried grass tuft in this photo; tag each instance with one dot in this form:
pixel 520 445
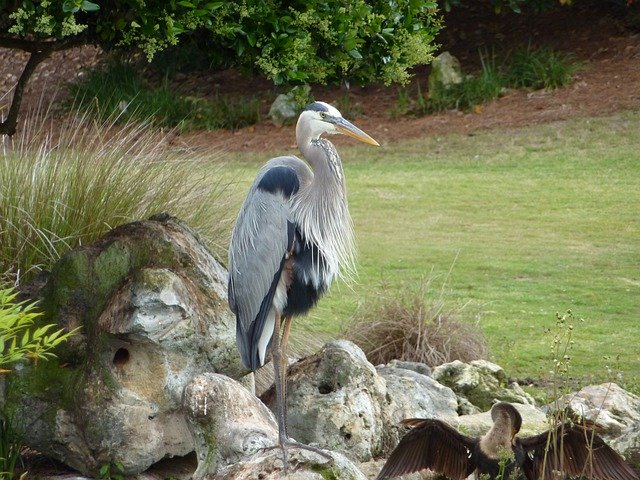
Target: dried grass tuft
pixel 408 327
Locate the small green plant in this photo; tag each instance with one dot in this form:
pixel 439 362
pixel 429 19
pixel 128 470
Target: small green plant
pixel 540 68
pixel 403 103
pixel 561 383
pixel 10 446
pixel 118 91
pixel 526 68
pixel 405 326
pixel 473 90
pixel 20 337
pixel 560 355
pixel 347 106
pixel 111 471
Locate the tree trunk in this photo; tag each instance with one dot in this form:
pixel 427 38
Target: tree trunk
pixel 8 127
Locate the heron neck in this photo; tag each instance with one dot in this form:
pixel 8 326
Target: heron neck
pixel 321 207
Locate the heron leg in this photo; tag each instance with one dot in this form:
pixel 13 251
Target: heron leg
pixel 285 359
pixel 276 357
pixel 280 364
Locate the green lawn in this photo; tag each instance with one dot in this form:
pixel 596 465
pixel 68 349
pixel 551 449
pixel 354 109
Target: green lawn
pixel 518 224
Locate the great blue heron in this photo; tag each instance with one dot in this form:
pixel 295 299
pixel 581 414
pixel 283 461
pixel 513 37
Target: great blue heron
pixel 570 449
pixel 292 238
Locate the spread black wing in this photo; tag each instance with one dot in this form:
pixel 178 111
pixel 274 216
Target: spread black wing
pixel 434 445
pixel 574 450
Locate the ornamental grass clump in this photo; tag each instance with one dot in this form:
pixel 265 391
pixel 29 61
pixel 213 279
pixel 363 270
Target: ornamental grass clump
pixel 63 186
pixel 407 326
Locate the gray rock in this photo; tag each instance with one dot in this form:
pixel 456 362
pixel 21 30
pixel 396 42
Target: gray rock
pixel 533 421
pixel 445 71
pixel 610 407
pixel 480 382
pixel 287 106
pixel 335 400
pixel 303 465
pixel 628 444
pixel 151 301
pixel 413 395
pixel 227 422
pixel 418 367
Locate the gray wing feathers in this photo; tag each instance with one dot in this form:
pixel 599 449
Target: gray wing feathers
pixel 259 242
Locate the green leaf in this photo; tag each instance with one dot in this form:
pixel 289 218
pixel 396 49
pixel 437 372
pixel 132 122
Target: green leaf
pixel 184 3
pixel 355 54
pixel 88 6
pixel 69 6
pixel 25 339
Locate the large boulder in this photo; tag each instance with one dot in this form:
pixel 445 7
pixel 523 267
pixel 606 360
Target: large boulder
pixel 481 383
pixel 336 399
pixel 228 423
pixel 416 395
pixel 303 465
pixel 614 411
pixel 151 301
pixel 610 407
pixel 534 421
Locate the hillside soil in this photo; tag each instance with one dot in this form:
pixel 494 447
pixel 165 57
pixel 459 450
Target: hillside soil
pixel 599 35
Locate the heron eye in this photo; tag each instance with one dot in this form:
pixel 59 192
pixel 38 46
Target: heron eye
pixel 323 115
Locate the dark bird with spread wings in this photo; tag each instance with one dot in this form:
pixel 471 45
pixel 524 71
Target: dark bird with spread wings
pixel 292 238
pixel 573 450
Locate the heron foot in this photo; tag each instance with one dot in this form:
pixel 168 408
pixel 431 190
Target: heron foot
pixel 287 443
pixel 292 443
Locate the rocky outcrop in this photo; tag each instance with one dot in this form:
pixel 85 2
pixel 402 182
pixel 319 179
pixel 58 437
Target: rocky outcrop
pixel 151 301
pixel 153 375
pixel 480 383
pixel 303 465
pixel 335 399
pixel 228 423
pixel 612 409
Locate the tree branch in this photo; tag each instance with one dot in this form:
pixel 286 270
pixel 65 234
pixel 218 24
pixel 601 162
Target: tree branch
pixel 8 127
pixel 39 51
pixel 33 46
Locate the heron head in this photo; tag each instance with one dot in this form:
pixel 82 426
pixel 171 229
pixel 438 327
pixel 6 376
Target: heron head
pixel 320 117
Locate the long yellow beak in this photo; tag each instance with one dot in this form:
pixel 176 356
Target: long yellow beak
pixel 348 128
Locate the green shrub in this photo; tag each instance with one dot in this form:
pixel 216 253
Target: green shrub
pixel 118 91
pixel 21 338
pixel 526 68
pixel 66 188
pixel 540 68
pixel 472 91
pixel 315 41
